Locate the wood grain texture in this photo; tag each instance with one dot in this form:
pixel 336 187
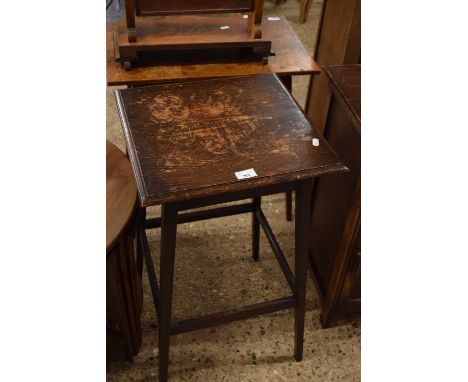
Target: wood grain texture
pixel 336 213
pixel 302 222
pixel 305 6
pixel 121 193
pixel 291 58
pixel 185 29
pixel 124 297
pixel 187 140
pixel 338 42
pixel 130 20
pixel 162 38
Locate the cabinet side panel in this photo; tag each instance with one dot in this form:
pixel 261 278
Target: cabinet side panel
pixel 339 43
pixel 333 195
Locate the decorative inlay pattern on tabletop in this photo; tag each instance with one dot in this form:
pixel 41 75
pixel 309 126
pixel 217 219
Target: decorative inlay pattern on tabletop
pixel 212 124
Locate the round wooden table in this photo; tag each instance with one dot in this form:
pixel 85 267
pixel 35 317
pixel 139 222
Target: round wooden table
pixel 123 265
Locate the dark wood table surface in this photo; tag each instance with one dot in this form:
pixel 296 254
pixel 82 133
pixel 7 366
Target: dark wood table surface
pixel 121 193
pixel 188 140
pixel 291 59
pixel 335 249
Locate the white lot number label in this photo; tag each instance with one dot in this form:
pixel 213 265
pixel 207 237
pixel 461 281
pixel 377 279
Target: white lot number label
pixel 246 174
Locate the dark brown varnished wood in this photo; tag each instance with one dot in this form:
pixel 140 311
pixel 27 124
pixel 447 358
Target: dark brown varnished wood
pixel 257 203
pixel 283 263
pixel 306 5
pixel 186 140
pixel 287 82
pixel 130 22
pixel 232 315
pixel 143 240
pixel 336 214
pixel 303 202
pixel 205 214
pixel 244 193
pixel 130 19
pixel 291 58
pixel 183 7
pixel 254 22
pixel 343 291
pixel 123 280
pixel 168 243
pixel 338 43
pixel 118 333
pixel 196 135
pixel 121 193
pixel 189 35
pixel 346 83
pixel 289 197
pixel 162 38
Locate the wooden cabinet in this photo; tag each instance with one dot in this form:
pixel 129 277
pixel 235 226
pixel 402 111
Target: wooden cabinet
pixel 335 244
pixel 338 43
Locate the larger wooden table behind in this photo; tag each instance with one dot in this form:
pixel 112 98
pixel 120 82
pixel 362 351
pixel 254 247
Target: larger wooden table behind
pixel 291 58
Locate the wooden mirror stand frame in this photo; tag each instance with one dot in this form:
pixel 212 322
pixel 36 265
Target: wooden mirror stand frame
pixel 254 20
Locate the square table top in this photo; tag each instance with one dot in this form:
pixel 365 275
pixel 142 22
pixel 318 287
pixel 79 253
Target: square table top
pixel 291 57
pixel 187 140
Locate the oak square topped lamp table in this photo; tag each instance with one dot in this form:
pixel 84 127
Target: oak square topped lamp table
pixel 203 143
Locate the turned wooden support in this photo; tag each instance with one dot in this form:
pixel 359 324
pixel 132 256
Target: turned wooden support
pixel 130 17
pixel 305 5
pixel 255 19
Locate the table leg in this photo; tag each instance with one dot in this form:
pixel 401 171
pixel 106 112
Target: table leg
pixel 303 200
pixel 168 244
pixel 305 10
pixel 288 206
pixel 256 230
pixel 287 82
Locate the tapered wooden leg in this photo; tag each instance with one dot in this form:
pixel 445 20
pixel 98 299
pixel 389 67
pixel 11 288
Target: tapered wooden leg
pixel 305 10
pixel 256 231
pixel 139 255
pixel 288 206
pixel 303 197
pixel 287 82
pixel 168 243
